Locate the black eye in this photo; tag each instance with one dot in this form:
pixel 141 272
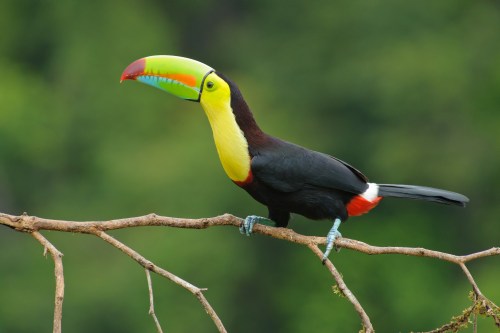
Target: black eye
pixel 210 84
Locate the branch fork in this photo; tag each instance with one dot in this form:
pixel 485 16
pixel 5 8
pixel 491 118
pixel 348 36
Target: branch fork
pixel 32 225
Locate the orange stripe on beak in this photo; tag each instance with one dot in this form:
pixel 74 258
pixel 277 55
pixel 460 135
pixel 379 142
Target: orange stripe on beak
pixel 188 80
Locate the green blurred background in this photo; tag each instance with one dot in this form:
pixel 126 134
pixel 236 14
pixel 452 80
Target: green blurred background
pixel 407 91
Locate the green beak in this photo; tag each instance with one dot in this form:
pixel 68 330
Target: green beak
pixel 182 77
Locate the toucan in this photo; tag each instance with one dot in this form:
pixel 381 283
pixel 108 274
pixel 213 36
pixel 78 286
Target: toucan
pixel 283 176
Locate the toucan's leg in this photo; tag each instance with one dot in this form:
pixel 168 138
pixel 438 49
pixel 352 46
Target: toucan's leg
pixel 247 225
pixel 333 234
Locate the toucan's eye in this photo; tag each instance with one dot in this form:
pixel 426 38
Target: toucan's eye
pixel 210 84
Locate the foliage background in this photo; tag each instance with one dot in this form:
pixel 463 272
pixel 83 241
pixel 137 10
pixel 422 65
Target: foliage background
pixel 407 91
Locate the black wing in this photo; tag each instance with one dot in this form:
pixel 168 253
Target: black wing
pixel 287 167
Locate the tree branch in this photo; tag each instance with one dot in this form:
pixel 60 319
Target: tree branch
pixel 32 224
pixel 365 320
pixel 198 292
pixel 151 302
pixel 58 271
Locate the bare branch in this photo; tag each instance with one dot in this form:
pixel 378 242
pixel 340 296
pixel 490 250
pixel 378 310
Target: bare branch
pixel 32 224
pixel 414 251
pixel 58 271
pixel 148 265
pixel 471 280
pixel 365 320
pixel 151 302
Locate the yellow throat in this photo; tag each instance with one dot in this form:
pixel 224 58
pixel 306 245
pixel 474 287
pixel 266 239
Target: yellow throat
pixel 229 139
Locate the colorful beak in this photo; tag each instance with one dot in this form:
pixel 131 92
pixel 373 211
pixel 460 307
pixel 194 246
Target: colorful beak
pixel 182 77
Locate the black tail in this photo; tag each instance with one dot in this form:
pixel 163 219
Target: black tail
pixel 422 193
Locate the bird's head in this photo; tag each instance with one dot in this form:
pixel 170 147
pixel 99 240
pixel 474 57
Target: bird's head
pixel 194 81
pixel 182 77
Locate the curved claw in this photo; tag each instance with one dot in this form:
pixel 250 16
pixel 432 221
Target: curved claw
pixel 330 240
pixel 247 225
pixel 333 234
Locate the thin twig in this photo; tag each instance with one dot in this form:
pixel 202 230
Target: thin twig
pixel 151 301
pixel 475 316
pixel 365 320
pixel 148 265
pixel 59 274
pixel 481 306
pixel 471 279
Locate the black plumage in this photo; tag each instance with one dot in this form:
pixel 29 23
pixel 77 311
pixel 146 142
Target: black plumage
pixel 288 178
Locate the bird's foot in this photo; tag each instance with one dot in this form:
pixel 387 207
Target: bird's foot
pixel 333 234
pixel 247 225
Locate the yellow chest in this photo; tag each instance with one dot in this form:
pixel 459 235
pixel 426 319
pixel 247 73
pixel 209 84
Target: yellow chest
pixel 231 144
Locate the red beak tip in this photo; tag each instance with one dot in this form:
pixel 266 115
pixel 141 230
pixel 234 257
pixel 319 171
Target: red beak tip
pixel 133 70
